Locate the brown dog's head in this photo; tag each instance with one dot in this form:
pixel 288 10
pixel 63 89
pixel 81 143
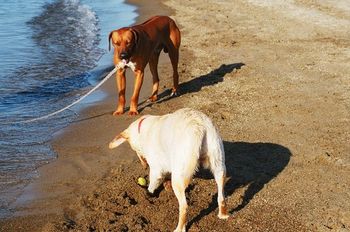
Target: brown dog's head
pixel 124 41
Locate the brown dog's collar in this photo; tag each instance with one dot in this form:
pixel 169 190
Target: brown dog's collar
pixel 139 127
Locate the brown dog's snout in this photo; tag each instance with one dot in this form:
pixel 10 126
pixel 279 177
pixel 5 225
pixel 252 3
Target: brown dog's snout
pixel 124 55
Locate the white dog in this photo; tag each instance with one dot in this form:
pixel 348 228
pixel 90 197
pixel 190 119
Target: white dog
pixel 178 144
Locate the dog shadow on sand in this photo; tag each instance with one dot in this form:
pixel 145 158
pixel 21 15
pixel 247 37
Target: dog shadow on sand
pixel 247 164
pixel 191 86
pixel 196 84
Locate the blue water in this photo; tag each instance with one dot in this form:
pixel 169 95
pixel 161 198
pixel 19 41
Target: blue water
pixel 51 52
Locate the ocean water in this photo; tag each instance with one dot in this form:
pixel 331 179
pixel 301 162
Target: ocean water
pixel 51 52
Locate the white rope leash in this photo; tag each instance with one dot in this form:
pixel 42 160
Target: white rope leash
pixel 75 102
pixel 120 65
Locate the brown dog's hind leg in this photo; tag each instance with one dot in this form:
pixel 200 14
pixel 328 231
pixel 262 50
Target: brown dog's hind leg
pixel 153 66
pixel 174 57
pixel 173 46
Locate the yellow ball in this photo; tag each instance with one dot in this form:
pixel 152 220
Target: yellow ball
pixel 142 181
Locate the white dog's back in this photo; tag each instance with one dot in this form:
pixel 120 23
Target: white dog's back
pixel 185 138
pixel 196 141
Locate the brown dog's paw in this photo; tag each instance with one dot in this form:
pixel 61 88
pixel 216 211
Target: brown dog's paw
pixel 153 98
pixel 174 93
pixel 133 112
pixel 118 112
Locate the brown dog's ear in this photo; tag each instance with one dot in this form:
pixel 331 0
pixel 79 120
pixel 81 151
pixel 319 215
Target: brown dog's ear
pixel 136 35
pixel 109 40
pixel 117 141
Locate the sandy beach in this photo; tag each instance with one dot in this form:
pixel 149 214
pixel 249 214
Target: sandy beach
pixel 273 77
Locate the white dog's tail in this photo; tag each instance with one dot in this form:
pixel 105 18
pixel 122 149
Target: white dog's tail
pixel 215 151
pixel 212 153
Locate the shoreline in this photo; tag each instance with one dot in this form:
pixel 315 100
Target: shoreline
pixel 60 181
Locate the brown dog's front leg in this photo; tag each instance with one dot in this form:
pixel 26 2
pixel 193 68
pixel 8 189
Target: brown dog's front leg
pixel 121 83
pixel 135 96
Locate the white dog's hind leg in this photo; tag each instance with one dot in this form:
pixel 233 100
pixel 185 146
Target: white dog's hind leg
pixel 219 175
pixel 155 179
pixel 179 186
pixel 216 155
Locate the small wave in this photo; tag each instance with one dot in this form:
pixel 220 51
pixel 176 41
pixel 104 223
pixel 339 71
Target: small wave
pixel 65 17
pixel 68 33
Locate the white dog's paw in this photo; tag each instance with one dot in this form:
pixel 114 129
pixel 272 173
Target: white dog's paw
pixel 150 193
pixel 223 216
pixel 150 189
pixel 180 230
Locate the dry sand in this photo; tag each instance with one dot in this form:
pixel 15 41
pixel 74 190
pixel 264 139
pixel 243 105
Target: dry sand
pixel 274 78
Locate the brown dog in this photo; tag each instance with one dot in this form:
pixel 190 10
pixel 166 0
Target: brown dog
pixel 142 44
